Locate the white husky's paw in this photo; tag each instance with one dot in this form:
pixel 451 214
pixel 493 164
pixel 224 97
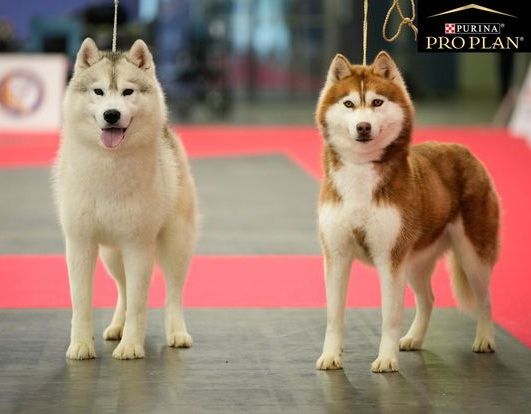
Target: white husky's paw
pixel 179 340
pixel 484 344
pixel 410 343
pixel 385 363
pixel 329 361
pixel 128 351
pixel 113 332
pixel 81 350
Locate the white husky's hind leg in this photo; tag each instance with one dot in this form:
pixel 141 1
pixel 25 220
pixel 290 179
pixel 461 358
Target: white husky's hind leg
pixel 477 273
pixel 174 254
pixel 112 258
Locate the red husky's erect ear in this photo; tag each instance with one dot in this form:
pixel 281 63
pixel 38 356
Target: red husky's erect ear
pixel 385 66
pixel 88 54
pixel 339 69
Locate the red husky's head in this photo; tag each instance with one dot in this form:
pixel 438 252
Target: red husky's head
pixel 365 112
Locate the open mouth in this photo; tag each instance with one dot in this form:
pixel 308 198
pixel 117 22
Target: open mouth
pixel 363 139
pixel 112 137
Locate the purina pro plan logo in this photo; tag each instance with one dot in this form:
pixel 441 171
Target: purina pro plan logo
pixel 489 26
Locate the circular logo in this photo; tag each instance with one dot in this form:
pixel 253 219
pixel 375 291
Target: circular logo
pixel 21 92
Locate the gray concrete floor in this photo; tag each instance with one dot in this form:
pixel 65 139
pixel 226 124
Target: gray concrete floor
pixel 257 361
pixel 248 206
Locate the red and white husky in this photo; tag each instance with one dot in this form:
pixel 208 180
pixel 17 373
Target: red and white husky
pixel 398 208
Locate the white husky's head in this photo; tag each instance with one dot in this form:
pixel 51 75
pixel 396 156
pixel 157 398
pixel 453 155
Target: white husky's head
pixel 114 99
pixel 365 112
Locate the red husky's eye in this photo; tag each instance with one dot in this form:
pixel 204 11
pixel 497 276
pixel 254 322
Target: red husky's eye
pixel 349 104
pixel 377 102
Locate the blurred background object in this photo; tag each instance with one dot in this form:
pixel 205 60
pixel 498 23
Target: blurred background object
pixel 263 61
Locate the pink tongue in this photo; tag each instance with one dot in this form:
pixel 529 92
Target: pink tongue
pixel 112 137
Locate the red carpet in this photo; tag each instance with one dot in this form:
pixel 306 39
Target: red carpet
pixel 219 281
pixel 292 281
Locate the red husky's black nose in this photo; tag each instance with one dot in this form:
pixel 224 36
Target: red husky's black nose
pixel 363 128
pixel 112 116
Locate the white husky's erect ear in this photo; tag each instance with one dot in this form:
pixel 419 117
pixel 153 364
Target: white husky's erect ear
pixel 339 69
pixel 88 54
pixel 385 66
pixel 140 55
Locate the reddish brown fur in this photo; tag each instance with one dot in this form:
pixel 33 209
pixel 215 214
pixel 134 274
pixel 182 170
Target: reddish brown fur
pixel 434 185
pixel 359 237
pixel 431 183
pixel 331 161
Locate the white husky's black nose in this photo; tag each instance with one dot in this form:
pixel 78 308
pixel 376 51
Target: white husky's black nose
pixel 112 116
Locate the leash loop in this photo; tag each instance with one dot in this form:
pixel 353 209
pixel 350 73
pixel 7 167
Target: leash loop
pixel 405 21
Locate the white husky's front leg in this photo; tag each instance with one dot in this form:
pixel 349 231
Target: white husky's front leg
pixel 81 259
pixel 392 286
pixel 138 265
pixel 337 274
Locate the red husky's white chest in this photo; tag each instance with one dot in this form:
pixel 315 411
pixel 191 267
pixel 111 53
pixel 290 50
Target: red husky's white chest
pixel 358 211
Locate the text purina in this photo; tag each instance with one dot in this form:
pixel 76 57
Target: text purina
pixel 477 28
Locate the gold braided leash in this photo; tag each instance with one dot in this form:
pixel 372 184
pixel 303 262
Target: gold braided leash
pixel 365 9
pixel 114 26
pixel 406 21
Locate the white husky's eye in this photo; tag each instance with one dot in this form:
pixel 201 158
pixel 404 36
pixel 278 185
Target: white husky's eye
pixel 377 102
pixel 98 91
pixel 349 104
pixel 127 92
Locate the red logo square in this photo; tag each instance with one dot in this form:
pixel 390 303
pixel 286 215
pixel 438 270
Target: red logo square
pixel 449 28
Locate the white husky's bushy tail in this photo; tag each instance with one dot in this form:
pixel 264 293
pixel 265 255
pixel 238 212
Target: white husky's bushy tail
pixel 461 288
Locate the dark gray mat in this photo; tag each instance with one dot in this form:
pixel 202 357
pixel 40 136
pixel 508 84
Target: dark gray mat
pixel 28 222
pixel 257 361
pixel 249 205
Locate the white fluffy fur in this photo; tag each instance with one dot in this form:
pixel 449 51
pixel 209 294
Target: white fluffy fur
pixel 472 287
pixel 133 204
pixel 356 183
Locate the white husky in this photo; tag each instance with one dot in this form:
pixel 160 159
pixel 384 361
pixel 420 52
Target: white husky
pixel 123 188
